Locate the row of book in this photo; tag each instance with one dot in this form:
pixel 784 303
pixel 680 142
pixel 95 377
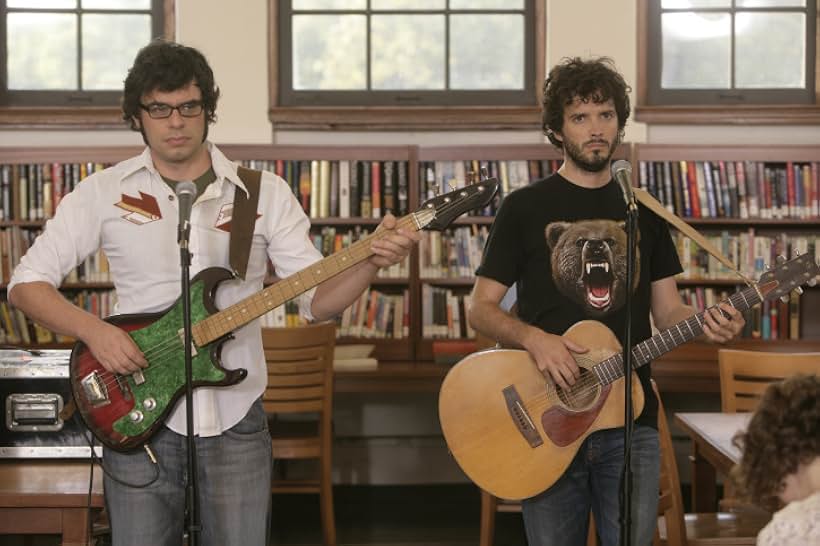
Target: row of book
pixel 15 241
pixel 770 320
pixel 376 314
pixel 444 313
pixel 330 240
pixel 17 329
pixel 453 253
pixel 752 252
pixel 734 189
pixel 32 191
pixel 437 177
pixel 348 188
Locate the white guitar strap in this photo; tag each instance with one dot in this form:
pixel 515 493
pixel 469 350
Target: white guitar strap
pixel 655 206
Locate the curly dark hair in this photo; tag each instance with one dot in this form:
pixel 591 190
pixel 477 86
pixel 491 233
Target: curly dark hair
pixel 167 66
pixel 595 80
pixel 783 433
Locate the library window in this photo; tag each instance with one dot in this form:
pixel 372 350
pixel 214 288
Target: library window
pixel 72 53
pixel 730 52
pixel 406 52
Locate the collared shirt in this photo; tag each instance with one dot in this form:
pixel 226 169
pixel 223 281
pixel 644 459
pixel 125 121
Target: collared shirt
pixel 131 213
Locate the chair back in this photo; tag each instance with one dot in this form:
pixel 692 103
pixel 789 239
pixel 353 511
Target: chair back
pixel 300 373
pixel 744 375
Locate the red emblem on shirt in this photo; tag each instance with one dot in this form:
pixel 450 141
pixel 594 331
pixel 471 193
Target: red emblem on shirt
pixel 223 219
pixel 140 210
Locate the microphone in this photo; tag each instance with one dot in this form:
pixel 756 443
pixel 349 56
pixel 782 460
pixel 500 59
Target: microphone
pixel 186 194
pixel 622 173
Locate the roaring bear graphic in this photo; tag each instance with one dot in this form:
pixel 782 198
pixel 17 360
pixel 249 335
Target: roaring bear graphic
pixel 589 263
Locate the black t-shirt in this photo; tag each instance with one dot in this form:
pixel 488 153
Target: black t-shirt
pixel 564 247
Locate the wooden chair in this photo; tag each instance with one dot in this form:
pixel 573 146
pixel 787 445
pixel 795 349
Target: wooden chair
pixel 744 375
pixel 300 381
pixel 676 528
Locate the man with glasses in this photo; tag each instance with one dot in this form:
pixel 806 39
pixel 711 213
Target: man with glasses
pixel 130 211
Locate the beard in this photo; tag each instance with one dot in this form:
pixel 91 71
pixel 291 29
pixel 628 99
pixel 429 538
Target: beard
pixel 598 160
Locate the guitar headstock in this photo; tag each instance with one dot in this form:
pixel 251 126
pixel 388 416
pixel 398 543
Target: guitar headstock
pixel 437 213
pixel 788 275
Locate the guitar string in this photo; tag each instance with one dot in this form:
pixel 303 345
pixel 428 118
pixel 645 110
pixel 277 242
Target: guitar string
pixel 168 345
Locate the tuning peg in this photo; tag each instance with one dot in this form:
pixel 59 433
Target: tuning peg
pixel 450 185
pixel 799 290
pixel 796 254
pixel 813 282
pixel 780 259
pixel 784 298
pixel 485 174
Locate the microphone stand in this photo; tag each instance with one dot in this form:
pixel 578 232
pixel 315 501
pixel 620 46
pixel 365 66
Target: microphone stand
pixel 193 481
pixel 626 475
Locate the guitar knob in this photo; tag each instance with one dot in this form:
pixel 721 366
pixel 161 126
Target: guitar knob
pixel 136 416
pixel 149 404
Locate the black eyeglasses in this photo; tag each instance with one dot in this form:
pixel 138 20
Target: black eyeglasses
pixel 160 110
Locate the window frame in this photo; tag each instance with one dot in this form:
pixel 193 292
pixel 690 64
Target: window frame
pixel 726 112
pixel 81 109
pixel 385 114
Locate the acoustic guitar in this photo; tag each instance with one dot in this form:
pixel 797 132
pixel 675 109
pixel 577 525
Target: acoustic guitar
pixel 124 412
pixel 514 432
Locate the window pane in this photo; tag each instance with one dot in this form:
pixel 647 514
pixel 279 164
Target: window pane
pixel 771 4
pixel 42 51
pixel 328 4
pixel 695 4
pixel 696 49
pixel 116 4
pixel 329 52
pixel 408 51
pixel 487 4
pixel 487 52
pixel 765 59
pixel 42 4
pixel 377 5
pixel 110 43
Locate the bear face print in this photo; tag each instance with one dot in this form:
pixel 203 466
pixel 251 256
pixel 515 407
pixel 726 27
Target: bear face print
pixel 589 263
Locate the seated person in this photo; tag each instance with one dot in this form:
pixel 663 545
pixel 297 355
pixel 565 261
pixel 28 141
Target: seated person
pixel 780 464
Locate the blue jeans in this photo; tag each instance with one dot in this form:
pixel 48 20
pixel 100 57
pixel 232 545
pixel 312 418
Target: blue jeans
pixel 560 515
pixel 234 472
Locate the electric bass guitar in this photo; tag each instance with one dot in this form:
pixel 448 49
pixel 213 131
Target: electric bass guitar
pixel 514 432
pixel 123 412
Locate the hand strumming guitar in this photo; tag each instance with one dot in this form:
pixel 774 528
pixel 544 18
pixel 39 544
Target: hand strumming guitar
pixel 552 355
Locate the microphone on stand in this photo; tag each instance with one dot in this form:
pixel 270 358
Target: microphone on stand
pixel 622 173
pixel 186 195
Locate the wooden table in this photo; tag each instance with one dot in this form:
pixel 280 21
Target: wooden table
pixel 48 497
pixel 712 451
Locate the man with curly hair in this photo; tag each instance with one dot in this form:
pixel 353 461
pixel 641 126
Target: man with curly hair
pixel 130 211
pixel 560 241
pixel 780 464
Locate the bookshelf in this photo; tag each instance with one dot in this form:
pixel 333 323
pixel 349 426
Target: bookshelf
pixel 428 169
pixel 784 182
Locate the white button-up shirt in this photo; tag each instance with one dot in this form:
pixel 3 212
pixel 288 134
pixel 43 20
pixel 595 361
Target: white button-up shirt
pixel 131 213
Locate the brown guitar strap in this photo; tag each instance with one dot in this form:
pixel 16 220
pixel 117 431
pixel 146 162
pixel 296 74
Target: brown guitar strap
pixel 655 206
pixel 243 218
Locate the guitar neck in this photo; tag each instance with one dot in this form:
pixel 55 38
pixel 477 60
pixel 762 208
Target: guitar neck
pixel 252 307
pixel 612 368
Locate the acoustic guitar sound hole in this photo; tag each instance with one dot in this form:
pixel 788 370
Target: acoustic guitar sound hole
pixel 583 393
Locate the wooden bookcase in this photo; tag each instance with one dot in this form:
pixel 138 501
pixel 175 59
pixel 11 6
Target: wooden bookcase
pixel 691 367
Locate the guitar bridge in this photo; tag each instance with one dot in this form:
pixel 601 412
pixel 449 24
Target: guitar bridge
pixel 521 418
pixel 95 390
